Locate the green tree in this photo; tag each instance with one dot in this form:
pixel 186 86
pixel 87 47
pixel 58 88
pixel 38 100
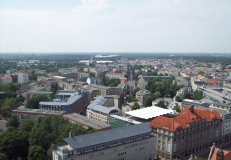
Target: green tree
pixel 135 90
pixel 3 156
pixel 176 108
pixel 135 106
pixel 12 122
pixel 37 153
pixel 161 104
pixel 178 99
pixel 198 95
pixel 201 72
pixel 34 101
pixel 187 95
pixel 26 125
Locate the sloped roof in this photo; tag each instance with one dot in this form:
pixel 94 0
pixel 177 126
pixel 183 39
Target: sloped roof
pixel 227 154
pixel 184 118
pixel 107 136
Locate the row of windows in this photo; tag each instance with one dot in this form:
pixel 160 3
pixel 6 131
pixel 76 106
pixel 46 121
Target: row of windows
pixel 115 143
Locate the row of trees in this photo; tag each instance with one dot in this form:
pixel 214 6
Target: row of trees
pixel 35 141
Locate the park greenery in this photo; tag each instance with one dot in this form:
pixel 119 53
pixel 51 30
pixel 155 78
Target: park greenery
pixel 161 88
pixel 35 141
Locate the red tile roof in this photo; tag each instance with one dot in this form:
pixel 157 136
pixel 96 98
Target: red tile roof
pixel 183 119
pixel 227 154
pixel 212 81
pixel 6 77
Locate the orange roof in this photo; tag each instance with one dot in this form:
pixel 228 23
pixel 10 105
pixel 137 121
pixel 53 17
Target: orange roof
pixel 227 154
pixel 183 119
pixel 6 77
pixel 212 81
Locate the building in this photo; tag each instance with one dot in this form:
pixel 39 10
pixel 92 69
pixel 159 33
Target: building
pixel 149 113
pixel 93 80
pixel 97 111
pixel 87 122
pixel 225 112
pixel 20 77
pixel 219 154
pixel 69 72
pixel 22 113
pixel 111 75
pixel 142 94
pixel 6 79
pixel 130 142
pixel 192 131
pixel 69 102
pixel 142 83
pixel 116 121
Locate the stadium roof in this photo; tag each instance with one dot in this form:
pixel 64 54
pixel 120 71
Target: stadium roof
pixel 149 112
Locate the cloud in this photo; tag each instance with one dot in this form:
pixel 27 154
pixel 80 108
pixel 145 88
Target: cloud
pixel 106 25
pixel 93 6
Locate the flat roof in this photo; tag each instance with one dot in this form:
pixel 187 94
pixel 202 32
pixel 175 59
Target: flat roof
pixel 24 110
pixel 86 121
pixel 149 112
pixel 125 119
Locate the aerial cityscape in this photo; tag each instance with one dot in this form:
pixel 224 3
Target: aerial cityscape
pixel 115 80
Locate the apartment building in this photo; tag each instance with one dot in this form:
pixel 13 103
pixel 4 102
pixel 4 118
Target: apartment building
pixel 20 77
pixel 111 75
pixel 142 94
pixel 130 142
pixel 69 102
pixel 97 111
pixel 6 79
pixel 193 131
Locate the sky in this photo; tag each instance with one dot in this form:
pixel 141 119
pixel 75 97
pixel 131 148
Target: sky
pixel 189 26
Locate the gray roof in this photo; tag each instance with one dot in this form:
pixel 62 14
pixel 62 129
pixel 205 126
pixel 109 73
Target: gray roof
pixel 107 136
pixel 97 106
pixel 87 121
pixel 73 98
pixel 132 103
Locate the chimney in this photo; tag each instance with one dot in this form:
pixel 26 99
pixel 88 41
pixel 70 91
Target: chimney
pixel 70 134
pixel 192 109
pixel 123 80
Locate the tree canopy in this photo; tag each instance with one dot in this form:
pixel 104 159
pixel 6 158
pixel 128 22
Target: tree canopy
pixel 34 101
pixel 135 106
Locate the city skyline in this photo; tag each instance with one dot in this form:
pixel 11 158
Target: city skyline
pixel 115 26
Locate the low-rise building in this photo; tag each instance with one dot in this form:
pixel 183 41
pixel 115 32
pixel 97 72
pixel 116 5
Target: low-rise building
pixel 219 154
pixel 6 79
pixel 87 122
pixel 111 75
pixel 34 114
pixel 142 94
pixel 97 111
pixel 69 102
pixel 130 142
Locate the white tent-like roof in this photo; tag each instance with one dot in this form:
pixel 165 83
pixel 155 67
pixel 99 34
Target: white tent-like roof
pixel 149 112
